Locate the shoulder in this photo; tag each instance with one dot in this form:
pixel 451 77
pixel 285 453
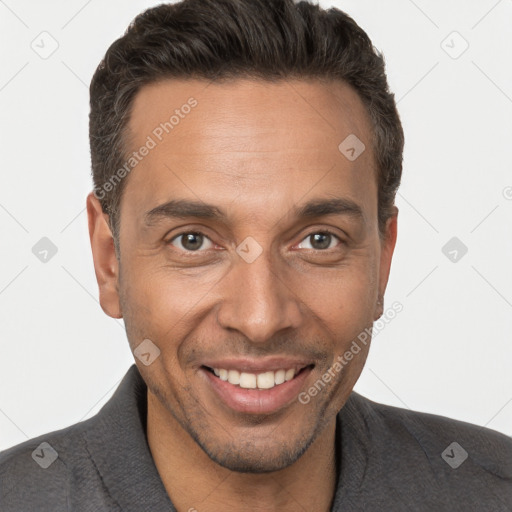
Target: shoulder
pixel 37 472
pixel 68 469
pixel 422 456
pixel 488 448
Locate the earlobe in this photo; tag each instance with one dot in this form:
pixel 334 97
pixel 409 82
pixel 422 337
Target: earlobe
pixel 106 265
pixel 387 248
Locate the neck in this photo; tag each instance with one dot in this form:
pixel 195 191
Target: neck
pixel 194 482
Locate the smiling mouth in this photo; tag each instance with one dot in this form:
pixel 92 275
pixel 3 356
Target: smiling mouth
pixel 260 381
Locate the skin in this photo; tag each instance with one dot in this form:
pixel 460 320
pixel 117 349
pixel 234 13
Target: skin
pixel 256 150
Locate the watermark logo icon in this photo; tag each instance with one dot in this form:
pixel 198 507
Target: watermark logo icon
pixel 44 44
pixel 454 45
pixel 45 455
pixel 249 250
pixel 454 455
pixel 454 249
pixel 352 147
pixel 146 352
pixel 44 250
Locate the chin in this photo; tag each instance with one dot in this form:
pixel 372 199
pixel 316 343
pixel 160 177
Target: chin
pixel 248 458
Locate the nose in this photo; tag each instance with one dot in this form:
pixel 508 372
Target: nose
pixel 258 300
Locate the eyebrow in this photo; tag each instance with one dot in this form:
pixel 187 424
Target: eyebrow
pixel 184 208
pixel 335 206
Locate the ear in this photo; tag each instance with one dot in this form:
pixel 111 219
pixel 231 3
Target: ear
pixel 106 265
pixel 386 255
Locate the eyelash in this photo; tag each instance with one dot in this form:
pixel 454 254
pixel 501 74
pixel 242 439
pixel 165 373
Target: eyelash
pixel 192 232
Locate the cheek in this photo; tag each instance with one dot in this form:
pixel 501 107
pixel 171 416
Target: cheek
pixel 162 304
pixel 148 306
pixel 152 312
pixel 155 293
pixel 343 297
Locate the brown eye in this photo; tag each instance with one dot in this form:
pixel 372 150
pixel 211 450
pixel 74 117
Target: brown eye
pixel 190 241
pixel 320 240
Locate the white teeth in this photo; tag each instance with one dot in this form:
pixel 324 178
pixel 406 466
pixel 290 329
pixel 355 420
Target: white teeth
pixel 234 377
pixel 266 380
pixel 279 376
pixel 247 380
pixel 289 374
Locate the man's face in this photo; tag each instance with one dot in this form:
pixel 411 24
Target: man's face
pixel 257 286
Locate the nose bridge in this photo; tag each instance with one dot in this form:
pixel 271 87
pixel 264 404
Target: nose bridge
pixel 256 299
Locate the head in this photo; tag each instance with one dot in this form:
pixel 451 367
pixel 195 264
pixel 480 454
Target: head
pixel 246 156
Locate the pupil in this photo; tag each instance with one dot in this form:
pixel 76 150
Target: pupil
pixel 323 244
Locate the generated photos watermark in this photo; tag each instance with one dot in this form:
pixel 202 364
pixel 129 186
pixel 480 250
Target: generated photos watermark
pixel 362 339
pixel 157 135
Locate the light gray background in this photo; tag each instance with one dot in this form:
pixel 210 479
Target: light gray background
pixel 448 352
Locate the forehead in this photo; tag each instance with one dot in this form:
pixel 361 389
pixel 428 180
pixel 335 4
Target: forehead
pixel 309 109
pixel 247 137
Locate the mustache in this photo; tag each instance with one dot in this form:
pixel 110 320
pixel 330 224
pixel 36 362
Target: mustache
pixel 315 349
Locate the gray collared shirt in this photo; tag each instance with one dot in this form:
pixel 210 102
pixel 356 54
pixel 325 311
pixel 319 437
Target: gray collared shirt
pixel 389 459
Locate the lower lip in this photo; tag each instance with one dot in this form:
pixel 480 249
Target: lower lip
pixel 257 401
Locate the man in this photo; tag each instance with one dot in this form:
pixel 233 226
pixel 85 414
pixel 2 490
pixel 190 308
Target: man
pixel 246 155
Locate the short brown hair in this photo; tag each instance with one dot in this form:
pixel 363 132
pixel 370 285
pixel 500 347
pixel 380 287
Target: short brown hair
pixel 217 39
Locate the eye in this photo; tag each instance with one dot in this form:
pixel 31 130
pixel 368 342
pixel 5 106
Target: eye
pixel 320 240
pixel 190 241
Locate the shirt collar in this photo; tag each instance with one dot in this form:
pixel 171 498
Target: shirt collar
pixel 118 445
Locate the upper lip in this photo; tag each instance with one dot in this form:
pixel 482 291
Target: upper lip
pixel 258 365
